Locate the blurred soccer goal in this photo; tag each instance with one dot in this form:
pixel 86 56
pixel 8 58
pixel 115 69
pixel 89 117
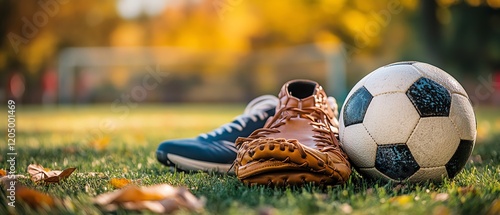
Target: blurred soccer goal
pixel 104 74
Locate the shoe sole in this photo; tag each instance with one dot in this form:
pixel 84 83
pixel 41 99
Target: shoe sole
pixel 187 164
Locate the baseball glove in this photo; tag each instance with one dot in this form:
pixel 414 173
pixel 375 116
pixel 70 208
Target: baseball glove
pixel 283 162
pixel 298 145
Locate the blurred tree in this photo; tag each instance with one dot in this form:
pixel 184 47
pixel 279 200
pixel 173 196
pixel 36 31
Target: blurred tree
pixel 431 31
pixel 473 38
pixel 460 33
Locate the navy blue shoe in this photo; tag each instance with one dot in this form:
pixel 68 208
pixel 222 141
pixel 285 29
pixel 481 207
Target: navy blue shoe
pixel 215 151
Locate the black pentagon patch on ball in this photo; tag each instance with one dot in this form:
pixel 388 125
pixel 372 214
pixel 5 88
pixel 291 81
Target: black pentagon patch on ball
pixel 356 106
pixel 429 98
pixel 396 161
pixel 459 159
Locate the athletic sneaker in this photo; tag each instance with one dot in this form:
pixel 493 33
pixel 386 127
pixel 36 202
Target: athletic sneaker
pixel 215 151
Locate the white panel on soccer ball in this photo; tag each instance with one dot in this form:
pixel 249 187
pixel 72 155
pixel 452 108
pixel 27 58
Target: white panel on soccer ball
pixel 432 173
pixel 434 141
pixel 391 118
pixel 374 173
pixel 395 78
pixel 360 147
pixel 462 114
pixel 441 77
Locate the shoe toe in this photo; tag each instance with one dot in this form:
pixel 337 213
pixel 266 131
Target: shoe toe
pixel 195 150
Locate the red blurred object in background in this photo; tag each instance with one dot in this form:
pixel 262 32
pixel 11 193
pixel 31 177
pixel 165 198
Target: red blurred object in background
pixel 49 86
pixel 16 86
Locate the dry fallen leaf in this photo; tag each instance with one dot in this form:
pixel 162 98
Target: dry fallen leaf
pixel 161 198
pixel 494 208
pixel 441 197
pixel 38 174
pixel 2 173
pixel 33 198
pixel 119 182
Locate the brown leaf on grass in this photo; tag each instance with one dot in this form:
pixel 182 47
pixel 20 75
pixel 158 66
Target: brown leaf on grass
pixel 33 198
pixel 2 173
pixel 161 198
pixel 441 197
pixel 23 194
pixel 494 208
pixel 119 182
pixel 39 174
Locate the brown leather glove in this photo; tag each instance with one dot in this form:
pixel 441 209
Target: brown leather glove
pixel 298 145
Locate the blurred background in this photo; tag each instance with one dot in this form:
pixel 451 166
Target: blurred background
pixel 85 52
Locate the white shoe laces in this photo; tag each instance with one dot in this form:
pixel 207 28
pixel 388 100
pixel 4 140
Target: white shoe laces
pixel 255 110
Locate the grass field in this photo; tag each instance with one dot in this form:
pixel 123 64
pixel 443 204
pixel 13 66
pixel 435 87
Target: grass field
pixel 95 139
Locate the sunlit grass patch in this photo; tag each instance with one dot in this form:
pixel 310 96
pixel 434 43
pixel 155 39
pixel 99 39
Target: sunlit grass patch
pixel 129 156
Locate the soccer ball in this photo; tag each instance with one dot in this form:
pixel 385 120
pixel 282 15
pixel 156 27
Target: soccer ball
pixel 408 121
